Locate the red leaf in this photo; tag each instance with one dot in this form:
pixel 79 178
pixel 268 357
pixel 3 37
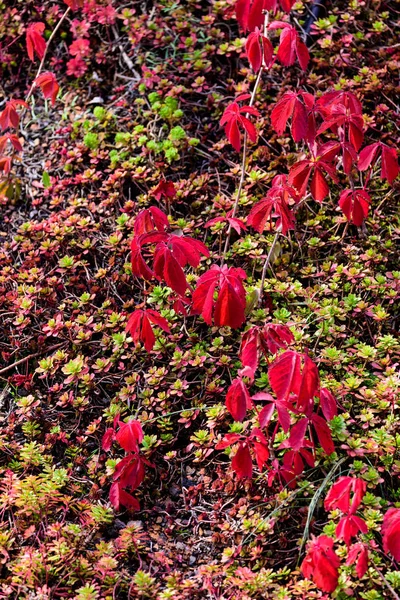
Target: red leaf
pixel 303 55
pixel 324 434
pixel 49 86
pixel 115 491
pixel 14 141
pixel 309 386
pixel 139 266
pixel 249 13
pixel 150 219
pixel 275 204
pixel 391 532
pixel 130 434
pixel 242 13
pixel 355 205
pixel 229 306
pixel 288 106
pixel 299 174
pixel 233 117
pixel 390 166
pixel 319 188
pixel 284 374
pixel 261 452
pixel 238 400
pixel 287 44
pixel 282 112
pixel 256 16
pixel 276 336
pixel 165 189
pixel 130 471
pixel 322 564
pixel 108 439
pixel 9 117
pixel 236 224
pixel 171 270
pixel 128 501
pixel 253 50
pixel 228 440
pixel 242 463
pixel 34 40
pixel 349 527
pixel 231 302
pixel 5 164
pixel 298 431
pixel 74 4
pixel 248 353
pixel 233 134
pixel 268 51
pixel 339 494
pixel 285 4
pixel 349 157
pixel 368 156
pixel 266 413
pixel 328 404
pixel 299 122
pixel 358 552
pixel 157 319
pixel 291 46
pixel 119 497
pixel 172 252
pixel 272 206
pixel 140 328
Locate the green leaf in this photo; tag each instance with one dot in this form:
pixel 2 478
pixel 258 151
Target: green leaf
pixel 46 179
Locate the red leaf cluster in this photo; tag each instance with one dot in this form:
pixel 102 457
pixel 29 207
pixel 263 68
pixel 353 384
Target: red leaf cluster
pixel 49 86
pixel 250 13
pixel 228 309
pixel 259 50
pixel 129 472
pixel 389 165
pixel 261 340
pixel 165 189
pixel 242 462
pixel 35 42
pixel 322 563
pixel 294 380
pixel 9 117
pixel 290 45
pixel 139 326
pixel 171 251
pixel 234 118
pixel 355 205
pixel 275 205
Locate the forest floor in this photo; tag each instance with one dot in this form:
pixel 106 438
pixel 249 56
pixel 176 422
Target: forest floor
pixel 144 106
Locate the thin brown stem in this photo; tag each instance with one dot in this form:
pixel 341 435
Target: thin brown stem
pixel 386 583
pixel 244 158
pixel 30 356
pixel 265 267
pixel 53 33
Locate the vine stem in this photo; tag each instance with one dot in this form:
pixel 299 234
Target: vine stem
pixel 265 267
pixel 314 502
pixel 244 157
pixel 29 357
pixel 386 582
pixel 53 33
